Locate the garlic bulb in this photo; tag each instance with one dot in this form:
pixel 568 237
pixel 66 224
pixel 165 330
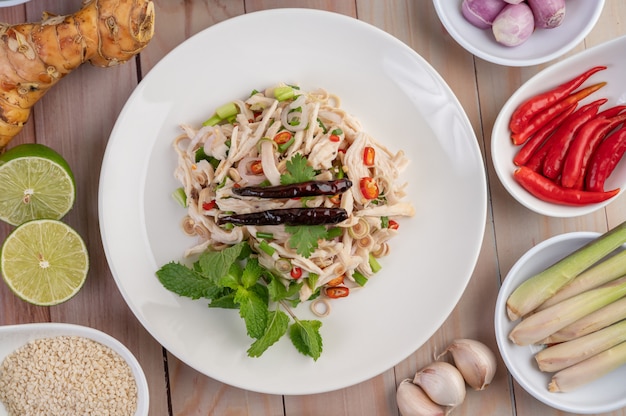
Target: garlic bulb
pixel 475 361
pixel 412 401
pixel 442 382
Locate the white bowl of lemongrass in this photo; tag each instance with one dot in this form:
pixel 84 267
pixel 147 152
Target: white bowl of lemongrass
pixel 560 321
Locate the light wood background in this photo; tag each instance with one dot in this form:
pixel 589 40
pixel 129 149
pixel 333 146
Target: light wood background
pixel 76 118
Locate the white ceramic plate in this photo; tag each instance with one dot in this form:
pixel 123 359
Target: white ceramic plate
pixel 13 337
pixel 400 100
pixel 609 54
pixel 603 395
pixel 543 45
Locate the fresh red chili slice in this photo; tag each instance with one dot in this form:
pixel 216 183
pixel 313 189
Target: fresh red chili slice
pixel 531 107
pixel 255 167
pixel 209 205
pixel 282 137
pixel 604 159
pixel 562 138
pixel 393 225
pixel 334 138
pixel 296 272
pixel 337 292
pixel 539 138
pixel 547 190
pixel 549 113
pixel 584 145
pixel 369 154
pixel 369 188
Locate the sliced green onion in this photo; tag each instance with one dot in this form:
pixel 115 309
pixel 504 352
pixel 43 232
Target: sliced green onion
pixel 374 264
pixel 340 172
pixel 222 112
pixel 267 236
pixel 180 197
pixel 228 226
pixel 359 278
pixel 284 93
pixel 269 250
pixel 337 132
pixel 282 148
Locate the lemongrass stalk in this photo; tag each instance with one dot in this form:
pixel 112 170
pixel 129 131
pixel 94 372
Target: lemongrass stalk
pixel 566 354
pixel 540 325
pixel 589 370
pixel 597 275
pixel 603 317
pixel 537 289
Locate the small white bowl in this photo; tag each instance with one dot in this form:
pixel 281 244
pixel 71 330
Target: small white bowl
pixel 543 45
pixel 13 337
pixel 611 54
pixel 602 395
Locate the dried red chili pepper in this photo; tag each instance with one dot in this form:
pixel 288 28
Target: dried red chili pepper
pixel 531 107
pixel 547 190
pixel 560 141
pixel 296 190
pixel 549 113
pixel 539 138
pixel 583 146
pixel 604 160
pixel 288 216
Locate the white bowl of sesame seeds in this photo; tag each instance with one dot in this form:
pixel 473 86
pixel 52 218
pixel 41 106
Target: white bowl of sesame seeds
pixel 72 368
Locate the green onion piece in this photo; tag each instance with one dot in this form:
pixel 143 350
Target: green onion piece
pixel 215 119
pixel 228 226
pixel 266 182
pixel 284 93
pixel 536 290
pixel 222 112
pixel 180 197
pixel 267 236
pixel 269 250
pixel 374 264
pixel 312 280
pixel 340 172
pixel 337 132
pixel 334 232
pixel 359 278
pixel 282 148
pixel 384 222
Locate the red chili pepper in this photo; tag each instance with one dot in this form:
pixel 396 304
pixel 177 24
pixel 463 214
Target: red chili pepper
pixel 582 148
pixel 282 137
pixel 337 292
pixel 539 138
pixel 369 188
pixel 604 160
pixel 393 225
pixel 531 107
pixel 296 272
pixel 256 167
pixel 369 154
pixel 549 113
pixel 209 205
pixel 560 141
pixel 334 138
pixel 547 190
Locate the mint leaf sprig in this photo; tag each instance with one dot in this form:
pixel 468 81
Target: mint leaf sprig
pixel 232 278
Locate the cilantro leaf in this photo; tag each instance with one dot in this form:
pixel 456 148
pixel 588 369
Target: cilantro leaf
pixel 304 238
pixel 277 326
pixel 253 310
pixel 305 336
pixel 216 264
pixel 297 171
pixel 187 282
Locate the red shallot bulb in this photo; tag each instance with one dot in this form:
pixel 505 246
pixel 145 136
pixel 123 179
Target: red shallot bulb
pixel 514 24
pixel 481 13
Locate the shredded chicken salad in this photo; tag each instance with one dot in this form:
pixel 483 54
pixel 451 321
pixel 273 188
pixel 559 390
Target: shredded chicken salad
pixel 292 174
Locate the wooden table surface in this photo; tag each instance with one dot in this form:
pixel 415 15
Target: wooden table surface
pixel 76 118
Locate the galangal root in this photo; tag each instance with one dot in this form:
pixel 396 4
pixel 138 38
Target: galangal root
pixel 35 56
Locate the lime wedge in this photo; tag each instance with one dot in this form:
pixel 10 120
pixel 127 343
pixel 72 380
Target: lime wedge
pixel 44 262
pixel 35 183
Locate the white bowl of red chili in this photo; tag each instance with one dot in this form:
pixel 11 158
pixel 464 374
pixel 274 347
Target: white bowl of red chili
pixel 555 161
